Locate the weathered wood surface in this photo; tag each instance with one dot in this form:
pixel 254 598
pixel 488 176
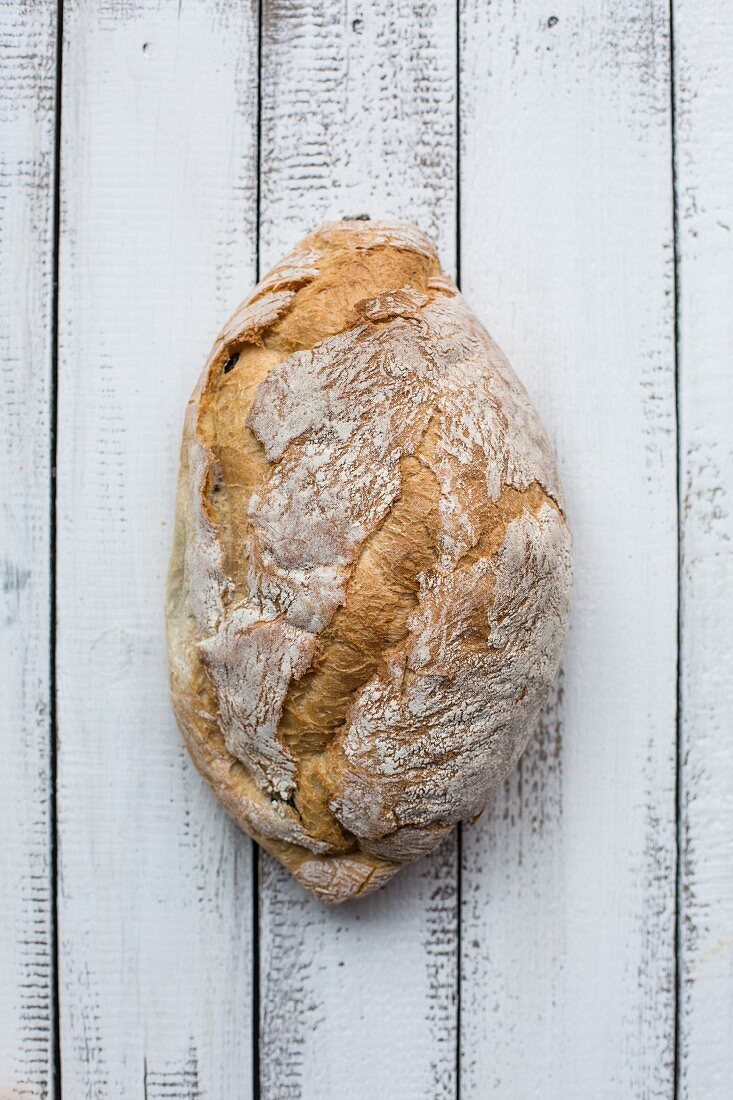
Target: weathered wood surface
pixel 157 246
pixel 27 124
pixel 703 80
pixel 537 145
pixel 358 115
pixel 567 985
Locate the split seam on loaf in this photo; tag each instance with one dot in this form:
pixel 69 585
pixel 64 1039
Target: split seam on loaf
pixel 370 581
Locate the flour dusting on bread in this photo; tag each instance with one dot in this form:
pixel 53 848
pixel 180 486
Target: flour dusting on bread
pixel 370 586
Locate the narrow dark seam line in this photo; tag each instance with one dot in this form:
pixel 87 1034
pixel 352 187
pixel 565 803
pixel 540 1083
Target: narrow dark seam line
pixel 459 838
pixel 459 951
pixel 679 847
pixel 256 1087
pixel 255 915
pixel 56 1084
pixel 258 154
pixel 458 144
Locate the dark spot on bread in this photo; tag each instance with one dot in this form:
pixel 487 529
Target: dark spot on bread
pixel 231 362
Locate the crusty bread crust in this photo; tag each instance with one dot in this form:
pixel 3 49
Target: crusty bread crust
pixel 370 581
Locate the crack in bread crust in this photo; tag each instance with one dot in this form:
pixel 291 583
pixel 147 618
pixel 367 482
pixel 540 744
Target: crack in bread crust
pixel 364 490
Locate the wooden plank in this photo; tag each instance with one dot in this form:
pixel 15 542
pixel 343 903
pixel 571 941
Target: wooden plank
pixel 567 255
pixel 158 212
pixel 704 185
pixel 27 103
pixel 358 116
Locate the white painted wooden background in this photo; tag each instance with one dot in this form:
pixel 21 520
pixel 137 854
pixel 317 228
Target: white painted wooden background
pixel 574 161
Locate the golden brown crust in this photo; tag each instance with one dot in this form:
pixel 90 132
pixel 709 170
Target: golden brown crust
pixel 369 587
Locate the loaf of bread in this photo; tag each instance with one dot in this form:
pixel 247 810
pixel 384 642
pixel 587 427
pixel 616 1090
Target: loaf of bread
pixel 370 580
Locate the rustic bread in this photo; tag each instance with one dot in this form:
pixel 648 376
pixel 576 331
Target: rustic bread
pixel 369 586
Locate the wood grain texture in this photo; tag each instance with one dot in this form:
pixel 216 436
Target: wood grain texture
pixel 567 256
pixel 27 104
pixel 567 914
pixel 704 183
pixel 157 246
pixel 358 115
